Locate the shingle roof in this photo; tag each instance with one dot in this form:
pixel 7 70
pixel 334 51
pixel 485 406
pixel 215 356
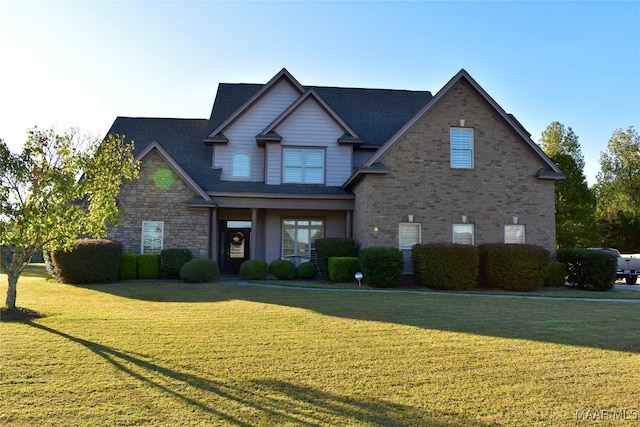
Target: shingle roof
pixel 374 114
pixel 181 138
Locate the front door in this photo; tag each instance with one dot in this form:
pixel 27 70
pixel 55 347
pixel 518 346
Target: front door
pixel 235 249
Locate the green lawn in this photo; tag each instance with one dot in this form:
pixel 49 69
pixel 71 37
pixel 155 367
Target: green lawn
pixel 173 354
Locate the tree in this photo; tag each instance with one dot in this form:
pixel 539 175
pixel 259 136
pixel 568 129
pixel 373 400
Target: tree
pixel 58 188
pixel 576 224
pixel 618 190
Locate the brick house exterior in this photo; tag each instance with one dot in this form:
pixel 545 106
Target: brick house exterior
pixel 278 165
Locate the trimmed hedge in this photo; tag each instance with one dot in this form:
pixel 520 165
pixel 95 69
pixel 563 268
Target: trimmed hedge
pixel 381 266
pixel 128 267
pixel 307 271
pixel 172 260
pixel 556 276
pixel 343 269
pixel 92 261
pixel 148 266
pixel 592 270
pixel 254 269
pixel 445 265
pixel 283 269
pixel 333 247
pixel 515 267
pixel 200 270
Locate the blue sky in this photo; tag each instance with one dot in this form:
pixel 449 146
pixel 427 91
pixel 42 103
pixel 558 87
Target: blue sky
pixel 82 64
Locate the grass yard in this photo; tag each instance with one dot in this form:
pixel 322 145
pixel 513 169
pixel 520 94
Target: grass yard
pixel 173 354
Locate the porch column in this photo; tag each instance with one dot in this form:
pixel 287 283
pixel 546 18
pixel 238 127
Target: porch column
pixel 348 232
pixel 213 227
pixel 254 233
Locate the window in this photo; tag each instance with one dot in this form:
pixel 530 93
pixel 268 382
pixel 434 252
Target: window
pixel 410 233
pixel 514 233
pixel 463 234
pixel 461 148
pixel 299 237
pixel 152 237
pixel 303 166
pixel 241 165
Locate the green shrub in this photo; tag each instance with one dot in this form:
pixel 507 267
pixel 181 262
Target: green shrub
pixel 333 247
pixel 148 266
pixel 92 261
pixel 516 267
pixel 200 270
pixel 343 269
pixel 307 271
pixel 283 269
pixel 445 265
pixel 128 266
pixel 381 266
pixel 556 275
pixel 254 269
pixel 172 260
pixel 589 269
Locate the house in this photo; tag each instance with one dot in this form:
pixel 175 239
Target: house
pixel 279 165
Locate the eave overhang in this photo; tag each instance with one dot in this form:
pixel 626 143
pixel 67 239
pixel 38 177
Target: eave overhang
pixel 282 75
pixel 219 138
pixel 549 174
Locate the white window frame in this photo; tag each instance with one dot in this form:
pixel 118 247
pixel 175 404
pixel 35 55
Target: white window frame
pixel 461 142
pixel 148 239
pixel 298 226
pixel 234 167
pixel 509 234
pixel 406 243
pixel 457 229
pixel 305 178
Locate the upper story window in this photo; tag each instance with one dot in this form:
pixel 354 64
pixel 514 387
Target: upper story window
pixel 302 166
pixel 461 148
pixel 241 165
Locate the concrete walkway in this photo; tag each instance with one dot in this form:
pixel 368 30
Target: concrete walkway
pixel 238 281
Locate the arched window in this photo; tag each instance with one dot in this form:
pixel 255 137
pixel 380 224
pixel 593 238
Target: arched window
pixel 241 165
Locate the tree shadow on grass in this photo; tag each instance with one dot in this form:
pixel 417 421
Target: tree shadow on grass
pixel 266 401
pixel 607 325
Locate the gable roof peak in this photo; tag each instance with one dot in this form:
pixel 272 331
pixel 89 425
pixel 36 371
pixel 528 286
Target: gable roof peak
pixel 283 74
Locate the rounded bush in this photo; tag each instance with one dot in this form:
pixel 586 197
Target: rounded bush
pixel 589 269
pixel 283 269
pixel 254 269
pixel 92 261
pixel 445 265
pixel 172 260
pixel 381 266
pixel 556 275
pixel 516 267
pixel 307 271
pixel 148 266
pixel 200 270
pixel 343 269
pixel 129 267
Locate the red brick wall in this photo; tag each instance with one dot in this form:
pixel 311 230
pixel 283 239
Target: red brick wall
pixel 421 181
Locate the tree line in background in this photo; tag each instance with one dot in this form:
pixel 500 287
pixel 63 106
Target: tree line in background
pixel 608 213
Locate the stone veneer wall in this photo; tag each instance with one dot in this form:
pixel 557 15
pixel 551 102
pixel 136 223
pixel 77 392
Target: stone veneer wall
pixel 164 200
pixel 422 183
